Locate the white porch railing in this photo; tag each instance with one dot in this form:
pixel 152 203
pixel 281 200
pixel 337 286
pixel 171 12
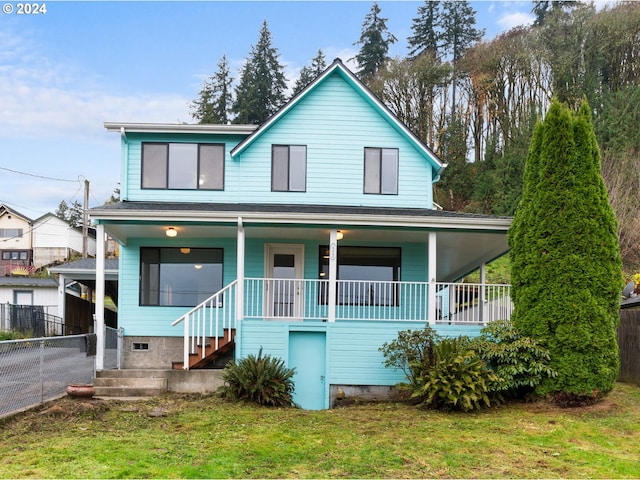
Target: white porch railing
pixel 287 299
pixel 212 318
pixel 300 300
pixel 472 303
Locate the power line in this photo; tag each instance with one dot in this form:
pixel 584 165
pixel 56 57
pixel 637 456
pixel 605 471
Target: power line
pixel 40 176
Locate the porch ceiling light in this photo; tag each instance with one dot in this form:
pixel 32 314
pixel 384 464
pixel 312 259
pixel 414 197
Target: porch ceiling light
pixel 171 232
pixel 339 235
pixel 185 250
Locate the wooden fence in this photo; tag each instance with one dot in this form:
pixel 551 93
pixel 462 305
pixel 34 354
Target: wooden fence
pixel 629 344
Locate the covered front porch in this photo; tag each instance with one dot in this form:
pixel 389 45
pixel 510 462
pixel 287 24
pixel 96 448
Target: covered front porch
pixel 306 266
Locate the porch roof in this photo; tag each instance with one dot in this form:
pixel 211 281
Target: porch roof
pixel 464 240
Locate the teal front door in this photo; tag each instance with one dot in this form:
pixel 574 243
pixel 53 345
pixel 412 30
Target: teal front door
pixel 307 354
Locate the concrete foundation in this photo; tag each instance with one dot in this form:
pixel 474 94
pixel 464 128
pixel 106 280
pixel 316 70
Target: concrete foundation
pixel 150 382
pixel 340 395
pixel 158 354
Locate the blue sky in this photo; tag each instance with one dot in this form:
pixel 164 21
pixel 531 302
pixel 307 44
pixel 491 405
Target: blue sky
pixel 67 71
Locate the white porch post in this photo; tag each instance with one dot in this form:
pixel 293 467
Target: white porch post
pixel 333 274
pixel 483 281
pixel 431 275
pixel 240 272
pixel 100 288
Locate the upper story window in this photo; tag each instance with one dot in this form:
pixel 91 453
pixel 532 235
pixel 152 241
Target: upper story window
pixel 10 233
pixel 381 171
pixel 289 168
pixel 183 166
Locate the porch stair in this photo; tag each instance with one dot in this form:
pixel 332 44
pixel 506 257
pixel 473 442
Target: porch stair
pixel 129 383
pixel 197 360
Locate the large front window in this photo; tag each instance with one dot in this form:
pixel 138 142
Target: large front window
pixel 365 274
pixel 183 166
pixel 179 276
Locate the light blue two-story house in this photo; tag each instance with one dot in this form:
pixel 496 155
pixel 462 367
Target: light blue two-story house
pixel 312 236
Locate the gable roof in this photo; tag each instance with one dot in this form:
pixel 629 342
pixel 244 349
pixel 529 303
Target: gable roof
pixel 338 68
pixel 5 209
pixel 51 217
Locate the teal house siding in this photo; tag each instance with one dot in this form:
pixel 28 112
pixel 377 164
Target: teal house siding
pixel 336 124
pixel 139 320
pixel 353 348
pixel 133 170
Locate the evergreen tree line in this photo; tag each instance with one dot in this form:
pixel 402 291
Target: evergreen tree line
pixel 475 102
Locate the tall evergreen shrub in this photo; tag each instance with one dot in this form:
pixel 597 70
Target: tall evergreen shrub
pixel 566 272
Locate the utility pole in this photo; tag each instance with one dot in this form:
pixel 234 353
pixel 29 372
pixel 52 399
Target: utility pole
pixel 85 221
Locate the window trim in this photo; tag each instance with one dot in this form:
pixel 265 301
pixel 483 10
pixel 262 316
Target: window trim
pixel 167 161
pixel 157 279
pixel 288 172
pixel 379 190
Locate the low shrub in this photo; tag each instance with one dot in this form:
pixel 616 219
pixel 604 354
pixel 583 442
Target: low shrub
pixel 519 362
pixel 413 352
pixel 261 379
pixel 458 380
pixel 10 335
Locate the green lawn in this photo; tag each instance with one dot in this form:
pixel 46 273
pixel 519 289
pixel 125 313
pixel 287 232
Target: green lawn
pixel 205 437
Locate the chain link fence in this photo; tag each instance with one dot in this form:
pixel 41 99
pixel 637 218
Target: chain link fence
pixel 39 369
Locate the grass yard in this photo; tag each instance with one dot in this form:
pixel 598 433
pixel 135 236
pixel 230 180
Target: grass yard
pixel 178 436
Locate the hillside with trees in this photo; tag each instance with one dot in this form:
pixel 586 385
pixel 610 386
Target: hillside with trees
pixel 476 101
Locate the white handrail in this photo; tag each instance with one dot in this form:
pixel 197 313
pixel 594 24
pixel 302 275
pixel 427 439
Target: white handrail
pixel 208 319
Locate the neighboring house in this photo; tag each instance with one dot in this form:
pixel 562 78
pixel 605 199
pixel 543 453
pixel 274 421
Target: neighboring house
pixel 16 254
pixel 312 237
pixel 30 304
pixel 54 241
pixel 42 292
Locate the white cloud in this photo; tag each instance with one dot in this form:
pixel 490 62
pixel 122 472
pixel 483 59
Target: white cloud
pixel 43 99
pixel 515 19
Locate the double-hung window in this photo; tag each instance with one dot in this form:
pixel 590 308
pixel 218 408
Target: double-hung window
pixel 288 168
pixel 381 171
pixel 179 276
pixel 183 166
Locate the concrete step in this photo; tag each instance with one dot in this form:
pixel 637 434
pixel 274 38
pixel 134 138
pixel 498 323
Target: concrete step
pixel 129 383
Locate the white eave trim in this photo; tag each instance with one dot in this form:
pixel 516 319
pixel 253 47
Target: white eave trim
pixel 179 128
pixel 302 218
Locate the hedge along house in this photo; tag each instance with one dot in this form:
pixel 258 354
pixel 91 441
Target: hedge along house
pixel 312 237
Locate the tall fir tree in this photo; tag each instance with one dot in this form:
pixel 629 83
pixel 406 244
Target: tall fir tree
pixel 374 44
pixel 566 275
pixel 262 87
pixel 309 74
pixel 426 38
pixel 214 102
pixel 459 33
